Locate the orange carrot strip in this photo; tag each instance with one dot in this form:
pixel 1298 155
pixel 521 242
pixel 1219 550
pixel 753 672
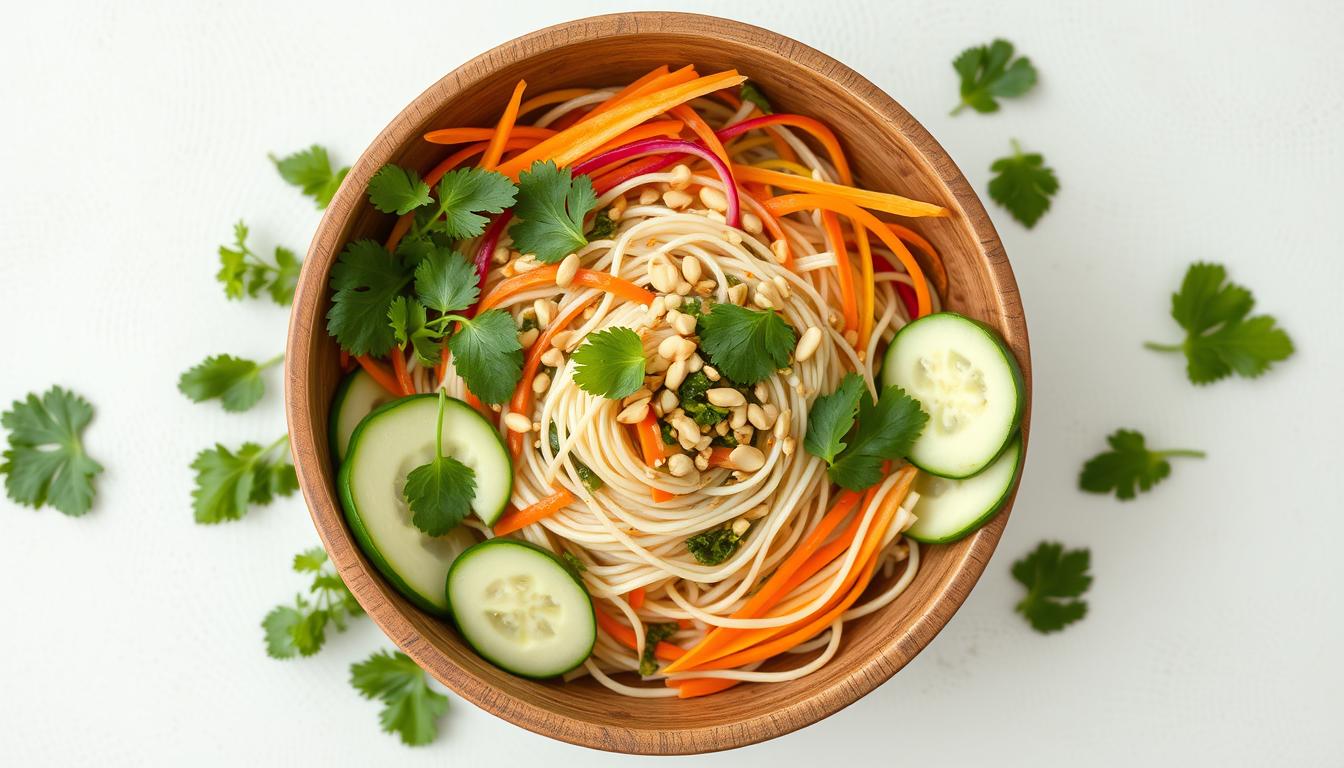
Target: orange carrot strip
pixel 650 130
pixel 464 135
pixel 522 394
pixel 718 457
pixel 626 636
pixel 575 142
pixel 399 368
pixel 844 271
pixel 651 446
pixel 653 85
pixel 700 686
pixel 782 206
pixel 547 506
pixel 636 598
pixel 504 128
pixel 877 201
pixel 701 129
pixel 868 290
pixel 625 92
pixel 932 264
pixel 552 97
pixel 586 277
pixel 381 375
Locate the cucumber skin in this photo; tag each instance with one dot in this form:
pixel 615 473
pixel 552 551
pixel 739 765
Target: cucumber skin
pixel 334 413
pixel 357 525
pixel 500 541
pixel 995 509
pixel 1018 383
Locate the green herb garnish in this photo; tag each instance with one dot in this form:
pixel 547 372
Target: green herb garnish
pixel 310 170
pixel 234 381
pixel 301 629
pixel 439 493
pixel 886 430
pixel 586 475
pixel 751 92
pixel 1128 464
pixel 552 204
pixel 411 708
pixel 989 72
pixel 227 483
pixel 243 273
pixel 45 462
pixel 653 635
pixel 1220 339
pixel 1024 185
pixel 603 227
pixel 1054 579
pixel 746 345
pixel 610 363
pixel 713 546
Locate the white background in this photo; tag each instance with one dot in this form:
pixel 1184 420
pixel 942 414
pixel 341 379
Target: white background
pixel 133 138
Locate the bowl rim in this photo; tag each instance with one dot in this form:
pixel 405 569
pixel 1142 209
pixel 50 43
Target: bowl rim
pixel 818 703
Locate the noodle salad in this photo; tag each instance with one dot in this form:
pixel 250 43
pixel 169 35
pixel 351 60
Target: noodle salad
pixel 642 388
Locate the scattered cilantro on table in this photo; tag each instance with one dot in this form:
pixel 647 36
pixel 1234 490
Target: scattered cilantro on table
pixel 610 363
pixel 310 170
pixel 301 629
pixel 1220 339
pixel 234 381
pixel 1127 465
pixel 886 430
pixel 45 462
pixel 1055 580
pixel 746 345
pixel 1023 185
pixel 552 204
pixel 989 73
pixel 411 708
pixel 243 273
pixel 228 482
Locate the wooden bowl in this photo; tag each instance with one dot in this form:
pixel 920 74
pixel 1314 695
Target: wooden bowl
pixel 889 151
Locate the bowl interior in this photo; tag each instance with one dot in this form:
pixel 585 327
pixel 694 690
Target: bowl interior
pixel 888 150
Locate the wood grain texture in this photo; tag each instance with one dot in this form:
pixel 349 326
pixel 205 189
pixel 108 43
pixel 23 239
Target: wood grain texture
pixel 889 151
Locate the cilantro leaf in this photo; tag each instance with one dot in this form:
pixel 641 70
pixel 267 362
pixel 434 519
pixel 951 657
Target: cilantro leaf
pixel 746 344
pixel 988 74
pixel 713 546
pixel 1024 185
pixel 487 355
pixel 235 381
pixel 610 363
pixel 310 170
pixel 366 279
pixel 653 635
pixel 887 429
pixel 243 273
pixel 1054 580
pixel 1128 464
pixel 227 483
pixel 411 708
pixel 410 326
pixel 749 91
pixel 446 282
pixel 398 190
pixel 301 629
pixel 45 462
pixel 550 211
pixel 1220 338
pixel 439 493
pixel 466 190
pixel 832 417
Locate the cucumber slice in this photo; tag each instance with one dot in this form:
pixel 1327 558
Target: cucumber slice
pixel 356 397
pixel 949 509
pixel 386 446
pixel 968 382
pixel 521 609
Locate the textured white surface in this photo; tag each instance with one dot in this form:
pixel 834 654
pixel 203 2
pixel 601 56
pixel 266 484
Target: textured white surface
pixel 1180 131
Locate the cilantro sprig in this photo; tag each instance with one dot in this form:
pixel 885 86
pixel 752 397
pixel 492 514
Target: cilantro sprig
pixel 310 170
pixel 234 381
pixel 244 273
pixel 1055 580
pixel 439 493
pixel 989 73
pixel 1023 185
pixel 301 629
pixel 552 204
pixel 886 430
pixel 610 363
pixel 1127 465
pixel 229 482
pixel 1220 339
pixel 45 462
pixel 411 708
pixel 746 344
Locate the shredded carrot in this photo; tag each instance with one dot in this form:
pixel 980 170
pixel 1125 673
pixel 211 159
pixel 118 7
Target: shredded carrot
pixel 877 201
pixel 574 142
pixel 782 206
pixel 650 130
pixel 504 128
pixel 650 440
pixel 788 166
pixel 465 135
pixel 345 359
pixel 701 686
pixel 701 129
pixel 634 85
pixel 522 394
pixel 380 374
pixel 869 295
pixel 644 87
pixel 718 457
pixel 812 126
pixel 520 519
pixel 585 277
pixel 626 636
pixel 552 97
pixel 932 263
pixel 844 272
pixel 406 386
pixel 636 598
